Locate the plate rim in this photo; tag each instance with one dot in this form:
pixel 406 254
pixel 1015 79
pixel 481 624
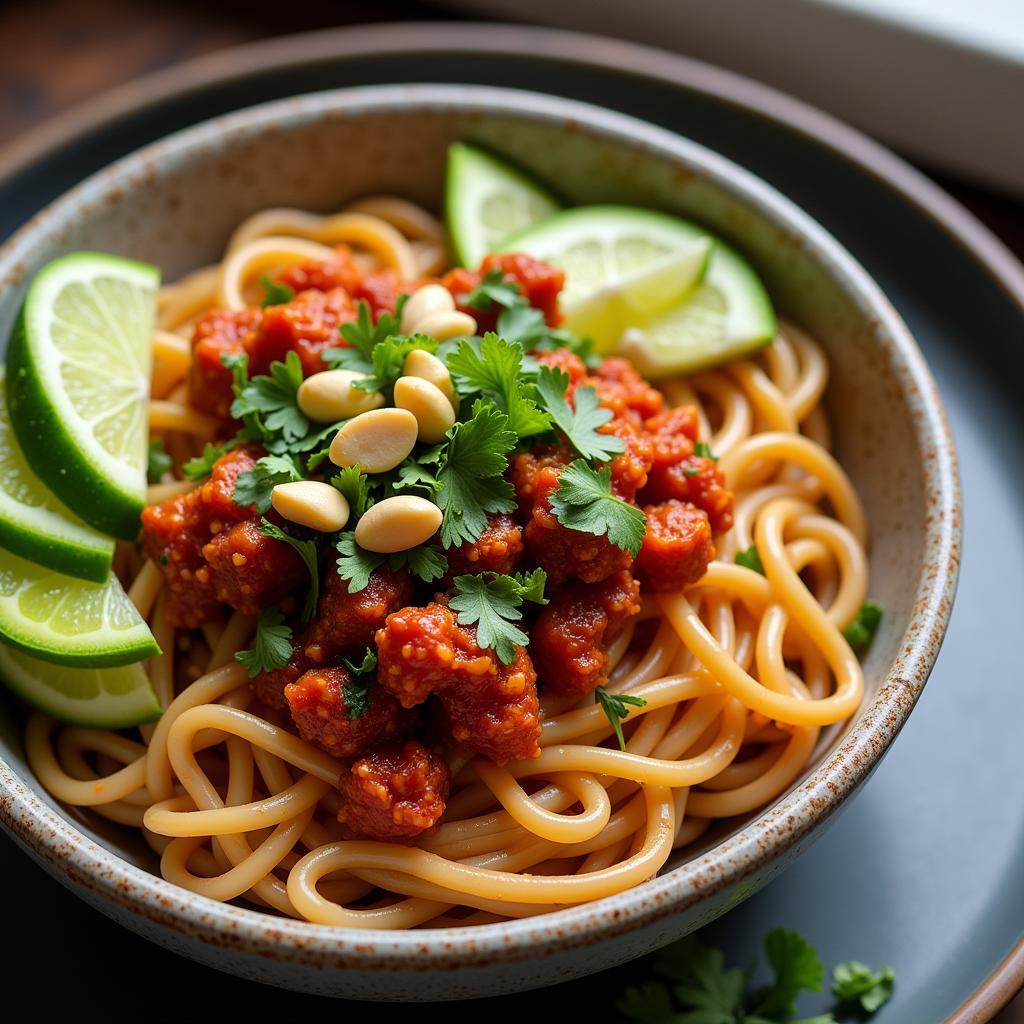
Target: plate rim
pixel 559 46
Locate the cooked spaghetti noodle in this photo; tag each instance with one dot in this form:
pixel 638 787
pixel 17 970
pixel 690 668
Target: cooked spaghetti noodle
pixel 740 671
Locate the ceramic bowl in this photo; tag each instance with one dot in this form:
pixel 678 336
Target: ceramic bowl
pixel 176 202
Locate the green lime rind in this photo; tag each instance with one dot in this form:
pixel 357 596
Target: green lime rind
pixel 78 368
pixel 487 199
pixel 69 621
pixel 728 315
pixel 35 525
pixel 102 698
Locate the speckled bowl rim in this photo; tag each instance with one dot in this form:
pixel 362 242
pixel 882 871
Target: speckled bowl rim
pixel 81 863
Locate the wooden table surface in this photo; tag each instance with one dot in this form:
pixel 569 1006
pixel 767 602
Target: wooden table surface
pixel 57 53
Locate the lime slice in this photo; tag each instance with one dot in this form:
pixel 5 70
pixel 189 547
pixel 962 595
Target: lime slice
pixel 105 698
pixel 69 621
pixel 77 381
pixel 34 524
pixel 605 314
pixel 486 200
pixel 727 315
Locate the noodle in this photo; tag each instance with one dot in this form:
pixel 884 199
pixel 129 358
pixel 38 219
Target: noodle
pixel 739 672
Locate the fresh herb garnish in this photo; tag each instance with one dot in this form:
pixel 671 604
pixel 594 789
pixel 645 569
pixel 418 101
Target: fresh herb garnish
pixel 470 471
pixel 579 422
pixel 855 982
pixel 703 449
pixel 615 708
pixel 158 461
pixel 388 360
pixel 202 465
pixel 496 371
pixel 272 647
pixel 352 483
pixel 862 630
pixel 356 692
pixel 363 336
pixel 275 293
pixel 255 486
pixel 700 989
pixel 750 559
pixel 584 501
pixel 307 551
pixel 273 400
pixel 493 603
pixel 493 289
pixel 356 564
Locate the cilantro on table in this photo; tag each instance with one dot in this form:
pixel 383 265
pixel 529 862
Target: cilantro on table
pixel 862 630
pixel 158 461
pixel 493 603
pixel 272 647
pixel 584 501
pixel 856 983
pixel 270 403
pixel 255 486
pixel 356 564
pixel 470 474
pixel 307 551
pixel 579 422
pixel 356 692
pixel 700 989
pixel 495 369
pixel 616 708
pixel 750 559
pixel 275 293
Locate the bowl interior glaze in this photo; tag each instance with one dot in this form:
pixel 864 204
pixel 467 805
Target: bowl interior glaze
pixel 175 204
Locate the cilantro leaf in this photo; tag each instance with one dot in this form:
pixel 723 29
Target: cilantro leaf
pixel 651 1004
pixel 388 360
pixel 273 399
pixel 580 421
pixel 413 476
pixel 470 474
pixel 856 982
pixel 862 630
pixel 493 289
pixel 614 707
pixel 750 559
pixel 427 563
pixel 272 647
pixel 352 483
pixel 275 293
pixel 584 501
pixel 703 449
pixel 354 563
pixel 493 602
pixel 524 324
pixel 159 462
pixel 363 335
pixel 255 486
pixel 356 692
pixel 496 370
pixel 703 982
pixel 202 465
pixel 796 967
pixel 307 551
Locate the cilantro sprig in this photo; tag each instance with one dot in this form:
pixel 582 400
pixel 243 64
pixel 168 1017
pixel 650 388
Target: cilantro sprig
pixel 275 293
pixel 307 551
pixel 700 989
pixel 356 692
pixel 750 559
pixel 158 461
pixel 202 465
pixel 862 630
pixel 356 565
pixel 584 501
pixel 353 484
pixel 272 400
pixel 616 708
pixel 255 486
pixel 579 422
pixel 493 603
pixel 273 644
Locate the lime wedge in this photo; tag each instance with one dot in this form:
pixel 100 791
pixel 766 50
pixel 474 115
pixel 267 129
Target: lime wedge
pixel 728 314
pixel 104 698
pixel 34 524
pixel 78 370
pixel 486 200
pixel 606 313
pixel 69 621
